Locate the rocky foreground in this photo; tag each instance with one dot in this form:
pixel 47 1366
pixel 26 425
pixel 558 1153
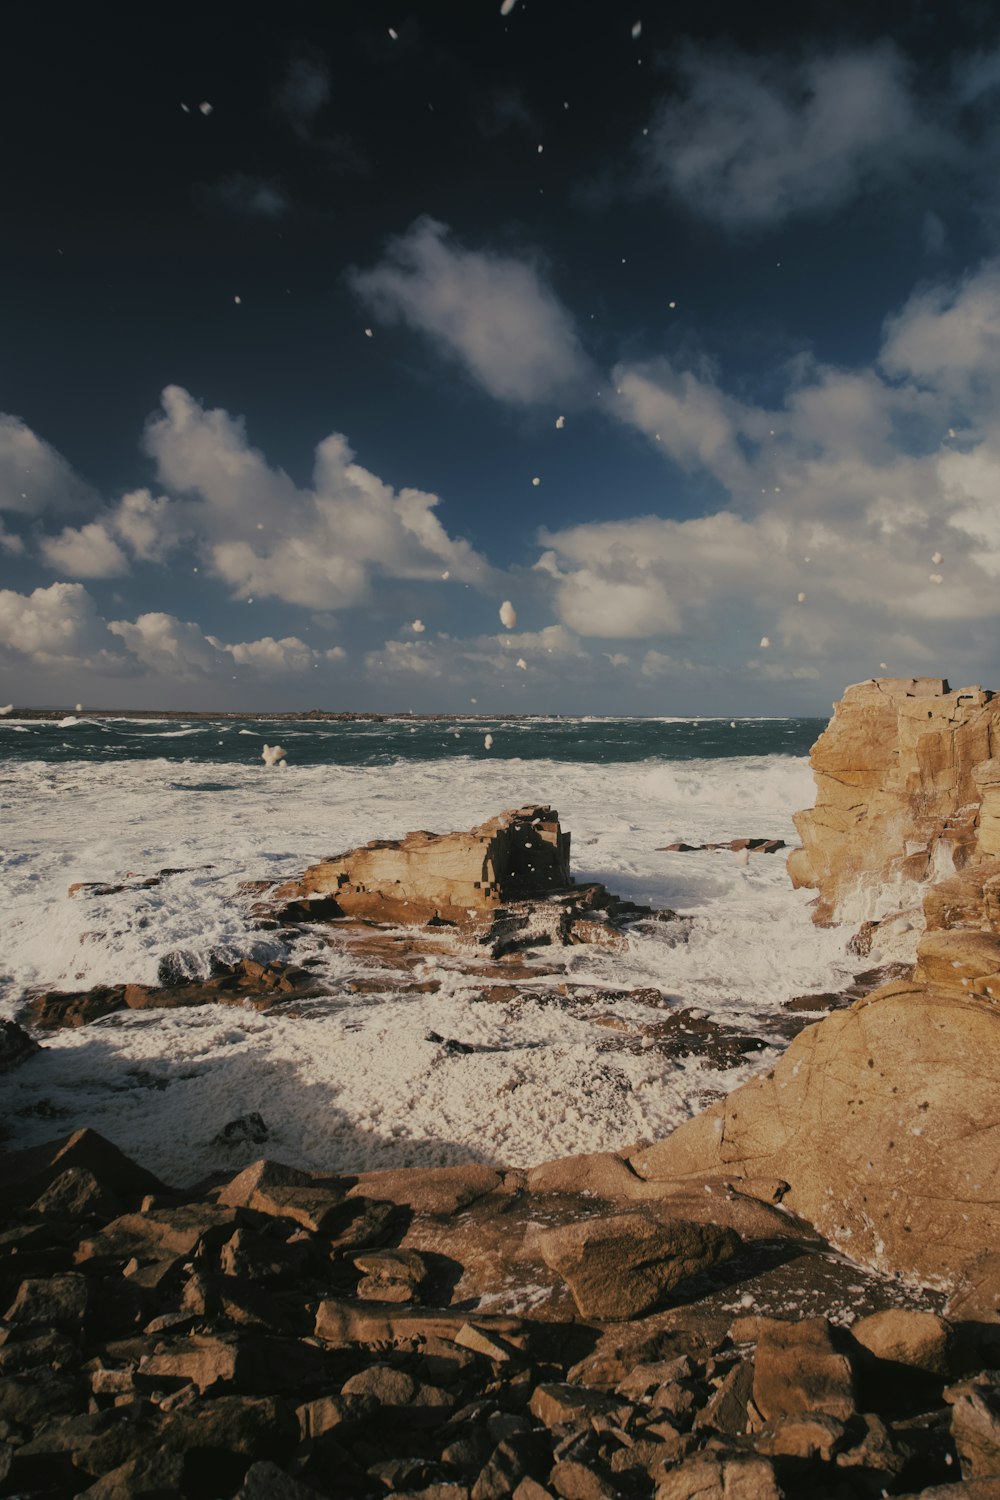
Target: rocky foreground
pixel 797 1293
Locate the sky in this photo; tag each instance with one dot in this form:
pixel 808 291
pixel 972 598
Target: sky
pixel 498 357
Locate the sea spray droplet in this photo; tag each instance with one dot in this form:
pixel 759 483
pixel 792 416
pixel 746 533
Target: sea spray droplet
pixel 508 615
pixel 522 664
pixel 273 755
pixel 418 627
pixel 765 642
pixel 560 422
pixel 507 6
pixel 937 559
pixel 488 742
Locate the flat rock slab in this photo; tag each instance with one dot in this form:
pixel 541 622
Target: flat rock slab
pixel 622 1265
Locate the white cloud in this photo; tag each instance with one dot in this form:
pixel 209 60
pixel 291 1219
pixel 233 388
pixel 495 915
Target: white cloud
pixel 85 552
pixel 179 649
pixel 841 493
pixel 55 627
pixel 168 646
pixel 493 313
pixel 479 660
pixel 145 524
pixel 33 476
pixel 319 547
pixel 750 140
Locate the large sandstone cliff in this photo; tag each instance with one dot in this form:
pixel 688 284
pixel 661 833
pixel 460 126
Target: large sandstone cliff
pixel 881 1122
pixel 899 783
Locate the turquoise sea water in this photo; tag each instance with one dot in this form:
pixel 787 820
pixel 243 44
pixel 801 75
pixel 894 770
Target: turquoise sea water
pixel 384 742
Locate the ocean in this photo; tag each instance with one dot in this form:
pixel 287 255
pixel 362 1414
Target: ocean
pixel 354 1081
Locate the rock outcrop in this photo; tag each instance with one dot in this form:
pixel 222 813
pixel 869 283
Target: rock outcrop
pixel 898 791
pixel 278 1335
pixel 881 1120
pixel 449 877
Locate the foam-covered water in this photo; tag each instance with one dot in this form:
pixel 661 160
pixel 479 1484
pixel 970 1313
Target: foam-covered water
pixel 355 1082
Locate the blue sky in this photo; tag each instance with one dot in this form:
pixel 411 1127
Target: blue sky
pixel 325 334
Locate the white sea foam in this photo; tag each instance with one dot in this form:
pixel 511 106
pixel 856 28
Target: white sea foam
pixel 355 1082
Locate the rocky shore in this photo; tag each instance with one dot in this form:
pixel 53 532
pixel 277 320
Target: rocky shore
pixel 795 1294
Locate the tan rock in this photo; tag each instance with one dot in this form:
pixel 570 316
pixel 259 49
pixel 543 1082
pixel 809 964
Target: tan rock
pixel 871 1116
pixel 977 1296
pixel 426 875
pixel 919 1339
pixel 953 960
pixel 896 795
pixel 710 1476
pixel 429 1190
pixel 797 1369
pixel 975 1427
pixel 620 1266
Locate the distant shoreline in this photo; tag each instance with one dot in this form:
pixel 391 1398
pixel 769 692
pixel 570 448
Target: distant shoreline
pixel 317 715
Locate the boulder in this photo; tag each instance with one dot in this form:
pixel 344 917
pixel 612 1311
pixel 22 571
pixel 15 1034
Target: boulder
pixel 920 1340
pixel 975 1427
pixel 24 1175
pixel 621 1266
pixel 871 1115
pixel 797 1369
pixel 445 877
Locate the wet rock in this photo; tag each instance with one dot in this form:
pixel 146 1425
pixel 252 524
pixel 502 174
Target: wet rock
pixel 245 1128
pixel 16 1046
pixel 427 875
pixel 50 1010
pixel 621 1266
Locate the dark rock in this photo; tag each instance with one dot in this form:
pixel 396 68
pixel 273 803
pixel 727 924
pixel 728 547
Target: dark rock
pixel 250 1127
pixel 58 1301
pixel 155 1475
pixel 77 1194
pixel 26 1174
pixel 50 1010
pixel 16 1046
pixel 265 1481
